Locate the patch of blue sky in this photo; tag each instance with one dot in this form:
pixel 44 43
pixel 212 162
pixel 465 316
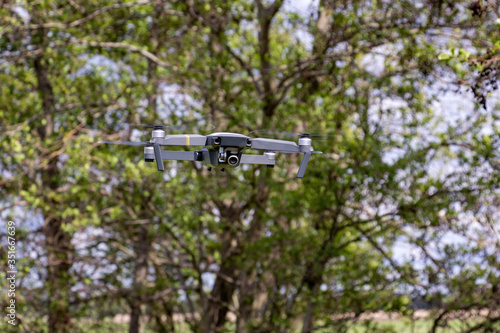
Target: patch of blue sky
pixel 22 13
pixel 101 65
pixel 82 242
pixel 29 221
pixel 304 8
pixel 208 280
pixel 173 101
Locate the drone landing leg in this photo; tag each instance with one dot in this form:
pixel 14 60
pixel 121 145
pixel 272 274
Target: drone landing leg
pixel 158 157
pixel 303 164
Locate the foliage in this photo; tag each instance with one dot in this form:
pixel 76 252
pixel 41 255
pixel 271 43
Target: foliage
pixel 106 233
pixel 476 67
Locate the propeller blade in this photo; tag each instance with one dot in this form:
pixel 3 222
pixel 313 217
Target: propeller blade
pixel 317 152
pixel 290 135
pixel 119 126
pixel 159 126
pixel 187 124
pixel 126 143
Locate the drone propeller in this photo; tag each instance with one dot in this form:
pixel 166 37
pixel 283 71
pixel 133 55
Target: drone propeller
pixel 127 143
pixel 156 147
pixel 183 127
pixel 291 135
pixel 112 126
pixel 158 126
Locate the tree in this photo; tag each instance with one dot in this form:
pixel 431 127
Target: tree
pixel 274 251
pixel 364 197
pixel 476 67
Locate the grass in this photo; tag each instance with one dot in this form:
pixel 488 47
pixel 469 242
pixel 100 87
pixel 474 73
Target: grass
pixel 84 326
pixel 406 325
pixel 383 326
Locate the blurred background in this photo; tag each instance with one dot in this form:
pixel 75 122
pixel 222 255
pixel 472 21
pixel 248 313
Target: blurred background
pixel 393 229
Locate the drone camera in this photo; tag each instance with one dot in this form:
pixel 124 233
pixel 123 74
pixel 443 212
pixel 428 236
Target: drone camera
pixel 249 142
pixel 233 160
pixel 217 140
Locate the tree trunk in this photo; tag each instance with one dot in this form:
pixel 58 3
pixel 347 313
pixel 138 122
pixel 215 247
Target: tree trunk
pixel 313 279
pixel 307 323
pixel 254 296
pixel 248 278
pixel 248 281
pixel 224 286
pixel 57 242
pixel 138 308
pixel 143 244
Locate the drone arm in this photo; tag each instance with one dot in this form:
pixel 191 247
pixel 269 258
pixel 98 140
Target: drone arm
pixel 182 140
pixel 257 159
pixel 179 155
pixel 275 145
pixel 282 147
pixel 161 155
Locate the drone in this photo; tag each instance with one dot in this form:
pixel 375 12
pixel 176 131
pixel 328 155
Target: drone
pixel 221 149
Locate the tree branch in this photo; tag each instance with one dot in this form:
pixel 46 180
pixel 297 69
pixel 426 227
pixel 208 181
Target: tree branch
pixel 93 15
pixel 129 47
